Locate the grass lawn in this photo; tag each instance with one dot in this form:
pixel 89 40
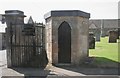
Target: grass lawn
pixel 105 52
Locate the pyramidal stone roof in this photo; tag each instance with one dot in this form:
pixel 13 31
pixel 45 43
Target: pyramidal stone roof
pixel 57 13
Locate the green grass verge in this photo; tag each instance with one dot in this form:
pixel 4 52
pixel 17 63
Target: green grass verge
pixel 103 50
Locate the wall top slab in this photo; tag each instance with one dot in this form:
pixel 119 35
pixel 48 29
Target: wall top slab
pixel 58 13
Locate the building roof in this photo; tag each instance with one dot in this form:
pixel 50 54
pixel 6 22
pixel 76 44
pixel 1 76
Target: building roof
pixel 66 13
pixel 106 23
pixel 110 23
pixel 30 20
pixel 97 23
pixel 92 26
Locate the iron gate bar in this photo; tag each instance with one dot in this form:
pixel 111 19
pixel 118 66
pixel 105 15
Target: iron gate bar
pixel 25 46
pixel 24 50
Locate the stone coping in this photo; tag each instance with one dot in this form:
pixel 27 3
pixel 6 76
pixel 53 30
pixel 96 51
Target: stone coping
pixel 14 12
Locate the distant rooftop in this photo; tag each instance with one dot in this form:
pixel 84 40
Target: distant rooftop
pixel 107 23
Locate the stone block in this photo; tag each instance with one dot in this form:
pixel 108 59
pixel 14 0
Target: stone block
pixel 91 41
pixel 113 35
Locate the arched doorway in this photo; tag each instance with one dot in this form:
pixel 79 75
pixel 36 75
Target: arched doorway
pixel 64 43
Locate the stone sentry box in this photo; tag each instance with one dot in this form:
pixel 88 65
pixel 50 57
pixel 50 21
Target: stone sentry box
pixel 67 36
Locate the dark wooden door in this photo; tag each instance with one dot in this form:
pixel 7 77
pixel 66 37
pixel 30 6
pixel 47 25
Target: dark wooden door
pixel 64 43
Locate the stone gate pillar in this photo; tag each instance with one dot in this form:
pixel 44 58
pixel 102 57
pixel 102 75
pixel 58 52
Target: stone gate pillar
pixel 67 36
pixel 14 20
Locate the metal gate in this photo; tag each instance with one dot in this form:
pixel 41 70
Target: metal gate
pixel 26 48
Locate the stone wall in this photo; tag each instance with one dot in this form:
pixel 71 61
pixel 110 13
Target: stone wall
pixel 48 39
pixel 78 35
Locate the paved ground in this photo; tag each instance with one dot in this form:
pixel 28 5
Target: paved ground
pixel 2 60
pixel 59 73
pixel 52 71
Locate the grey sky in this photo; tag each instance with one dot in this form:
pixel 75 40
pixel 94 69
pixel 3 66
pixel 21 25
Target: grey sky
pixel 99 9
